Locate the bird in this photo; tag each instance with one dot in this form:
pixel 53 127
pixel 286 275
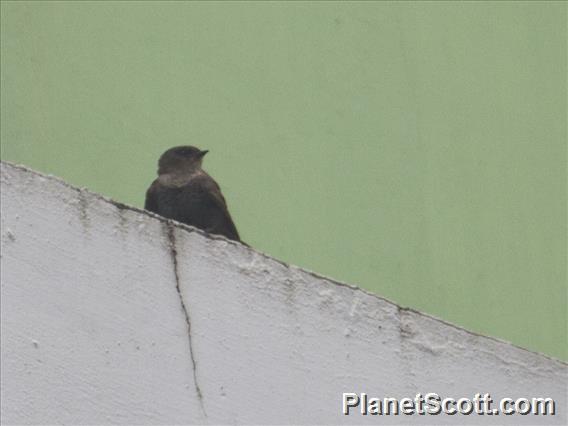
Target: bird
pixel 184 192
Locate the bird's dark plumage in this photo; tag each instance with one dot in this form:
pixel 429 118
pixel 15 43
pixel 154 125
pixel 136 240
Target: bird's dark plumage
pixel 184 192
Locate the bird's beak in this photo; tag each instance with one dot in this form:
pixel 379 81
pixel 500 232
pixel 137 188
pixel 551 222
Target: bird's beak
pixel 202 153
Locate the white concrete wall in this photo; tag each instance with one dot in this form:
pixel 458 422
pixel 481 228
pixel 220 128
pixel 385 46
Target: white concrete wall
pixel 111 315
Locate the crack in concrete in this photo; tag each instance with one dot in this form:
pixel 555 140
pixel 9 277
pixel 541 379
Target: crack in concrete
pixel 84 209
pixel 173 251
pixel 407 361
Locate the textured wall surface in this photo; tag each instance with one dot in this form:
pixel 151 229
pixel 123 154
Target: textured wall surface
pixel 113 315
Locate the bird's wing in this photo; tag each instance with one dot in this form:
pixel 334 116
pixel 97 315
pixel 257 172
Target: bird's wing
pixel 213 195
pixel 151 202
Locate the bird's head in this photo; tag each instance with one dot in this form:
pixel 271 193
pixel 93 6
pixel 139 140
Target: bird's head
pixel 181 159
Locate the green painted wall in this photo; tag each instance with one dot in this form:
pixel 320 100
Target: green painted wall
pixel 415 149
